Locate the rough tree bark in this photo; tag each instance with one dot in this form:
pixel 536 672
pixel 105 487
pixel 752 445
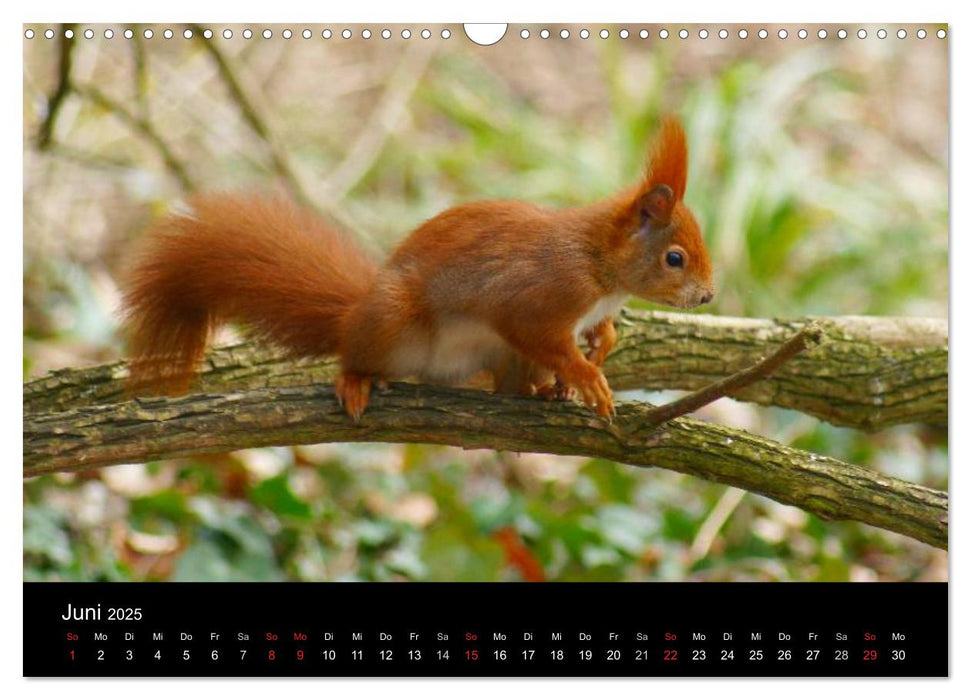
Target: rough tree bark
pixel 865 372
pixel 869 373
pixel 147 429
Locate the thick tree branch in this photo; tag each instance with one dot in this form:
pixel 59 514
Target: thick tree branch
pixel 149 429
pixel 868 373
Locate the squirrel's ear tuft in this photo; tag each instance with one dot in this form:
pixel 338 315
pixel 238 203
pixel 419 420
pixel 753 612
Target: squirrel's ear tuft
pixel 668 163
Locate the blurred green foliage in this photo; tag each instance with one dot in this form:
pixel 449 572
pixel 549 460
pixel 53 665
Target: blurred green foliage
pixel 437 514
pixel 818 174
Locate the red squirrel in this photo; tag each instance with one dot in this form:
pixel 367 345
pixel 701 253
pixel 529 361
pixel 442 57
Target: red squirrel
pixel 501 286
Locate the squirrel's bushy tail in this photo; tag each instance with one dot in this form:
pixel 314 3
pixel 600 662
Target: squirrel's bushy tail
pixel 263 262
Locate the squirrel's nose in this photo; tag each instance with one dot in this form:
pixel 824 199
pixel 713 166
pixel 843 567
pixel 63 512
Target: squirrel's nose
pixel 706 297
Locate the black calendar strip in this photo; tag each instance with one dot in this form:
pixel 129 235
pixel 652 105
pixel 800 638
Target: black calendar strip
pixel 631 629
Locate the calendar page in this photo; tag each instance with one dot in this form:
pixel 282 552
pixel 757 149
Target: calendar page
pixel 485 350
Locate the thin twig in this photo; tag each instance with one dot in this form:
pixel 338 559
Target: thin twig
pixel 382 122
pixel 63 89
pixel 714 522
pixel 175 167
pixel 280 162
pixel 812 333
pixel 89 159
pixel 141 75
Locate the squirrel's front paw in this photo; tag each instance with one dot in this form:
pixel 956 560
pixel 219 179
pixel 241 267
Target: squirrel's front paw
pixel 353 393
pixel 600 340
pixel 596 392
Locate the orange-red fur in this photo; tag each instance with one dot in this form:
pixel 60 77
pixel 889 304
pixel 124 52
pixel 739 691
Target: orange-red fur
pixel 501 286
pixel 668 163
pixel 263 262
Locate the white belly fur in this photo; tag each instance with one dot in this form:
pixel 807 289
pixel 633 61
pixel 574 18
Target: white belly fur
pixel 607 306
pixel 461 348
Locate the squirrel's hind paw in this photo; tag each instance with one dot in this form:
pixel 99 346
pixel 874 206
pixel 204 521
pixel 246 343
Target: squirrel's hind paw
pixel 557 391
pixel 353 393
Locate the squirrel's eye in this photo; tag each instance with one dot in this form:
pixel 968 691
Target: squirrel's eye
pixel 674 259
